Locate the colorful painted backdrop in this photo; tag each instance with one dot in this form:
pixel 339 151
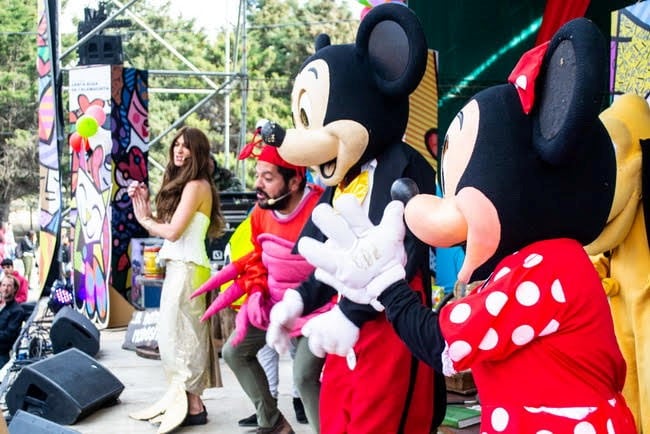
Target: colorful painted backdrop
pixel 48 145
pixel 116 154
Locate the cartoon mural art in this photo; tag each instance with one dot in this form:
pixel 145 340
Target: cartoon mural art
pixel 91 188
pixel 115 155
pixel 130 138
pixel 629 39
pixel 48 148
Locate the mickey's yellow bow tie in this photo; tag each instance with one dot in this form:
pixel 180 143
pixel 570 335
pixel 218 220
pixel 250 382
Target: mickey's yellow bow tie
pixel 358 187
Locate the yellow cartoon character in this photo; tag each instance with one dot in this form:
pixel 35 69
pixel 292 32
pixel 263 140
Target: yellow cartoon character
pixel 622 252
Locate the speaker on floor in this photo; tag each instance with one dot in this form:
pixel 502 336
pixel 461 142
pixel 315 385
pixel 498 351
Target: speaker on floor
pixel 72 329
pixel 27 423
pixel 63 388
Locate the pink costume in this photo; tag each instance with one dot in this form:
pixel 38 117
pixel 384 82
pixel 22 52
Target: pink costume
pixel 266 272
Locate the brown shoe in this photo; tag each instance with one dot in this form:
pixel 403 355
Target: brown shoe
pixel 280 427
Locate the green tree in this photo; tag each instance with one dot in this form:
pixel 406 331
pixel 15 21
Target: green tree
pixel 18 90
pixel 281 35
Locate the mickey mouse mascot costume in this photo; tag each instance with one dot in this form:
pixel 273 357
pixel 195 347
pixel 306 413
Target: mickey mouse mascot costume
pixel 528 174
pixel 350 108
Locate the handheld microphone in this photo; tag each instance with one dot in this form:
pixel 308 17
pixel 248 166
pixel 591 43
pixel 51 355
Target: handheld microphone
pixel 273 200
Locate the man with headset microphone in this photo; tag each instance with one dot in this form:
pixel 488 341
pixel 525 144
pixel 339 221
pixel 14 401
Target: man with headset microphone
pixel 285 201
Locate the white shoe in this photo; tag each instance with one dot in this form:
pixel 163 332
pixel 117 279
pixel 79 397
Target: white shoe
pixel 175 413
pixel 159 407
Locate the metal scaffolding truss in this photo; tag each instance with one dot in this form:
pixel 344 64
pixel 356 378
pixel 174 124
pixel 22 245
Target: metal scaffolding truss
pixel 226 81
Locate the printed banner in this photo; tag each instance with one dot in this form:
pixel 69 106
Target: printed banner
pixel 115 155
pixel 91 187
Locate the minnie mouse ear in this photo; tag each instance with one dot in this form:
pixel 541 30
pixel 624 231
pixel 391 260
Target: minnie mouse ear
pixel 571 87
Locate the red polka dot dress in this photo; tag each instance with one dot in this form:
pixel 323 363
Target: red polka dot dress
pixel 539 338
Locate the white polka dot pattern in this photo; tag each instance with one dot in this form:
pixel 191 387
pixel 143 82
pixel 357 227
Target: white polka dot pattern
pixel 522 335
pixel 458 350
pixel 495 302
pixel 460 313
pixel 557 291
pixel 499 419
pixel 533 260
pixel 584 428
pixel 502 272
pixel 527 294
pixel 526 298
pixel 490 340
pixel 552 327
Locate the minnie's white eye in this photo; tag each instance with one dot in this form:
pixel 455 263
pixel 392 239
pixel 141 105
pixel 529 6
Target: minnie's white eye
pixel 304 108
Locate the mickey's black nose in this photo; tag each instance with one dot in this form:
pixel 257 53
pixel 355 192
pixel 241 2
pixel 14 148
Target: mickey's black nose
pixel 403 189
pixel 273 134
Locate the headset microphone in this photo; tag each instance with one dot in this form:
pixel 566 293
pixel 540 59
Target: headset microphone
pixel 273 200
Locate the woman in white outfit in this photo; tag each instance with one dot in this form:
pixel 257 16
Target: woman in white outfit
pixel 187 208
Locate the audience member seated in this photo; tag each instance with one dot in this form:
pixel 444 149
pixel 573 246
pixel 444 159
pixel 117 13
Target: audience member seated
pixel 11 316
pixel 23 284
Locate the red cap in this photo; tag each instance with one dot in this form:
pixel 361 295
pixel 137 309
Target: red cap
pixel 257 149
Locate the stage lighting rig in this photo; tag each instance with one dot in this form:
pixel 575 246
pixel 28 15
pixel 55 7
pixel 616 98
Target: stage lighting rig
pixel 100 49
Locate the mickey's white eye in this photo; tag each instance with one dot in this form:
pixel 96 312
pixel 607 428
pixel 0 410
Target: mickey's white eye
pixel 458 146
pixel 304 107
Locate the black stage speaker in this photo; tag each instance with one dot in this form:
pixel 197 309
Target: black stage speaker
pixel 27 423
pixel 72 329
pixel 102 50
pixel 63 388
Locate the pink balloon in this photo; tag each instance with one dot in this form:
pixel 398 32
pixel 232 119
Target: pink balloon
pixel 76 141
pixel 96 112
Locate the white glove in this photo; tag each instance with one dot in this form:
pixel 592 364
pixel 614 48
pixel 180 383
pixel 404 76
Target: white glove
pixel 281 320
pixel 331 333
pixel 360 256
pixel 360 296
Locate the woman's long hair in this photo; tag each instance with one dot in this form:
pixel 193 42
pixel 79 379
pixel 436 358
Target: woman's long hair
pixel 199 166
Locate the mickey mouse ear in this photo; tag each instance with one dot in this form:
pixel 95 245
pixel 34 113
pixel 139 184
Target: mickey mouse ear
pixel 392 39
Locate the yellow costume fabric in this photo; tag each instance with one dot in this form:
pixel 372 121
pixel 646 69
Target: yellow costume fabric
pixel 239 245
pixel 358 187
pixel 621 253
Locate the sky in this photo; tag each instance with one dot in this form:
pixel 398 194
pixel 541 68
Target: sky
pixel 209 14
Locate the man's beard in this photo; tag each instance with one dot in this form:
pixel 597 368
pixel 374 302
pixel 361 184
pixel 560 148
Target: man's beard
pixel 277 206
